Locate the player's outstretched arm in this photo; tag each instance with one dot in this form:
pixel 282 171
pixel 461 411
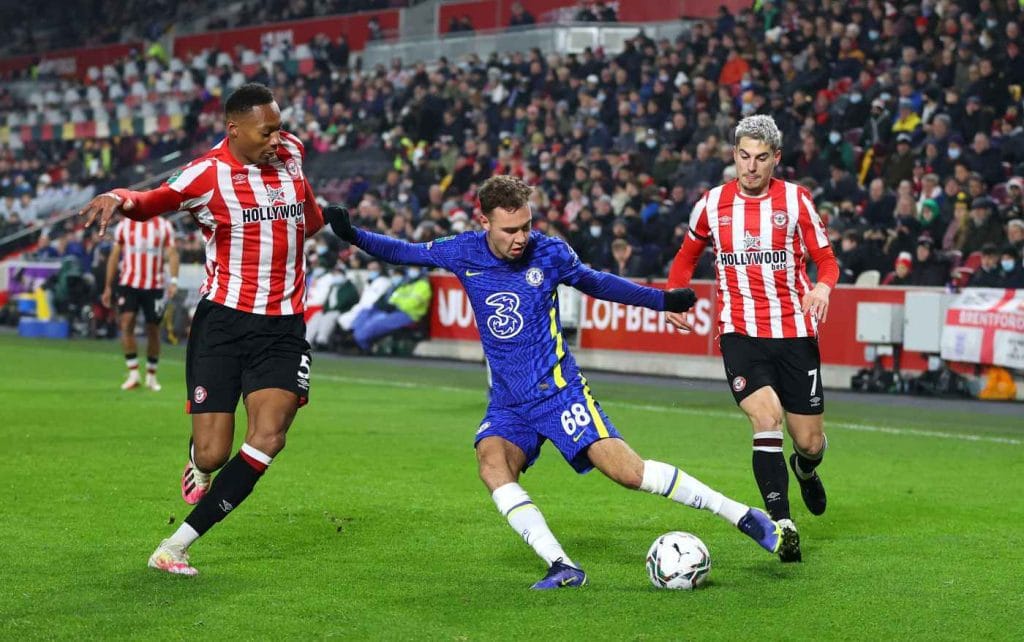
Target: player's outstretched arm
pixel 139 206
pixel 383 247
pixel 610 287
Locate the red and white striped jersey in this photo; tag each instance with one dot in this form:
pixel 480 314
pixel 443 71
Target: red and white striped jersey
pixel 253 218
pixel 142 251
pixel 760 246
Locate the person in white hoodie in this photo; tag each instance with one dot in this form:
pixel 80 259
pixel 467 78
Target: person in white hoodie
pixel 377 283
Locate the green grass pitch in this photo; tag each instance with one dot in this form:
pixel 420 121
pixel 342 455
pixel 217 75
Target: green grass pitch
pixel 372 523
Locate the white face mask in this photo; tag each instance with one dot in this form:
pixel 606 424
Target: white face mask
pixel 834 137
pixel 595 230
pixel 954 153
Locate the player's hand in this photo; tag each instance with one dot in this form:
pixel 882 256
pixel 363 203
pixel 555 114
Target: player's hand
pixel 102 208
pixel 815 302
pixel 679 299
pixel 337 217
pixel 172 289
pixel 105 297
pixel 680 320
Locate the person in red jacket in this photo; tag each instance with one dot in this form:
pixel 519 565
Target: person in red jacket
pixel 762 229
pixel 255 209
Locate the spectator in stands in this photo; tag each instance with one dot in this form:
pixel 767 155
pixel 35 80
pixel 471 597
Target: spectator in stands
pixel 901 275
pixel 989 274
pixel 406 303
pixel 329 296
pixel 1015 234
pixel 850 257
pixel 584 12
pixel 956 231
pixel 928 268
pixel 984 160
pixel 1014 199
pixel 907 119
pixel 377 282
pixel 1013 271
pixel 930 219
pixel 983 228
pixel 625 261
pixel 900 164
pixel 520 16
pixel 880 206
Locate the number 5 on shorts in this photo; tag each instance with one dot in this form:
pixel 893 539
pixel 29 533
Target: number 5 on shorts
pixel 576 416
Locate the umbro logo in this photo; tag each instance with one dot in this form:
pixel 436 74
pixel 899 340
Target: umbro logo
pixel 239 178
pixel 226 506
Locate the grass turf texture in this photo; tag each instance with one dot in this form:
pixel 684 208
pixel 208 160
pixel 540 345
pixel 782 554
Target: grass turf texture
pixel 373 524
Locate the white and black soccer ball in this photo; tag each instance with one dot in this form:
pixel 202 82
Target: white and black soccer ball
pixel 678 560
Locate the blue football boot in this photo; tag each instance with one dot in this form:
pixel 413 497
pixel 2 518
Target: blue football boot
pixel 561 575
pixel 759 527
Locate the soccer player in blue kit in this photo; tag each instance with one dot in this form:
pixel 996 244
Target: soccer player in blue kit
pixel 538 393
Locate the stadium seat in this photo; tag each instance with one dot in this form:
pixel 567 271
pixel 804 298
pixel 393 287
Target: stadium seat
pixel 868 278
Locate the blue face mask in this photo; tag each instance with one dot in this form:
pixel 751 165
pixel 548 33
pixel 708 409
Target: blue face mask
pixel 396 279
pixel 1007 264
pixel 372 275
pixel 413 273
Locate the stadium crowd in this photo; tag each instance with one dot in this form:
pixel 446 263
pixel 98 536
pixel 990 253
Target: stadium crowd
pixel 903 118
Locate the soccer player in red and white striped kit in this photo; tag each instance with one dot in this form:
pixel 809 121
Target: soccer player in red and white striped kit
pixel 761 230
pixel 255 208
pixel 139 248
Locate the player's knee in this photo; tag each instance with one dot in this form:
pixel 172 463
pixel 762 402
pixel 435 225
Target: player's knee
pixel 270 443
pixel 765 420
pixel 810 445
pixel 209 457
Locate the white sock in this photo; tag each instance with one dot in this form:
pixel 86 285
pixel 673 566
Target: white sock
pixel 669 481
pixel 526 519
pixel 184 536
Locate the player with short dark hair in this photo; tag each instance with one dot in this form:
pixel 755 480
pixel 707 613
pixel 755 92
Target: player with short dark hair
pixel 139 248
pixel 255 209
pixel 538 393
pixel 761 229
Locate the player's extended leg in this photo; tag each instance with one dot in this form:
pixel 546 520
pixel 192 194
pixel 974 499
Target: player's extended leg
pixel 271 412
pixel 152 355
pixel 809 444
pixel 764 410
pixel 131 349
pixel 500 462
pixel 621 464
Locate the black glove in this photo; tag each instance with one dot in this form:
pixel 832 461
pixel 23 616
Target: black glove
pixel 337 217
pixel 679 299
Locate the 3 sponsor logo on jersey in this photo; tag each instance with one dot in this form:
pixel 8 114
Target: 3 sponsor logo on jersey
pixel 534 276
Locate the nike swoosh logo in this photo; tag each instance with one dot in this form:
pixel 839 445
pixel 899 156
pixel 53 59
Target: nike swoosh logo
pixel 578 435
pixel 472 273
pixel 566 581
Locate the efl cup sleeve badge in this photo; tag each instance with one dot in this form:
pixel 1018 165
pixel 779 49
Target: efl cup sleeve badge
pixel 780 219
pixel 534 276
pixel 292 168
pixel 199 394
pixel 739 383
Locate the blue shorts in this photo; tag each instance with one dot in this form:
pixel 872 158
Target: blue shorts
pixel 571 419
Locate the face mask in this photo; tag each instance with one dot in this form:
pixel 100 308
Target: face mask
pixel 834 138
pixel 321 249
pixel 1007 265
pixel 396 279
pixel 651 143
pixel 372 275
pixel 954 153
pixel 403 197
pixel 413 273
pixel 776 59
pixel 595 231
pixel 872 35
pixel 856 98
pixel 985 41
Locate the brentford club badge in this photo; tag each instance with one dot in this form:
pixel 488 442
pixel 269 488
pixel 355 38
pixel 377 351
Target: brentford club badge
pixel 292 167
pixel 780 219
pixel 739 383
pixel 199 394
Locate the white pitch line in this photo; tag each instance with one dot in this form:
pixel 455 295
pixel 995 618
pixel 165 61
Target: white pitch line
pixel 912 432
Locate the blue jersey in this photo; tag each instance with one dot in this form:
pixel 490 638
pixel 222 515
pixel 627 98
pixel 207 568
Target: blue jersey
pixel 516 303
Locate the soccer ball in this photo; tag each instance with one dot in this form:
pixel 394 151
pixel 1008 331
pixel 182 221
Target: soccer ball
pixel 678 560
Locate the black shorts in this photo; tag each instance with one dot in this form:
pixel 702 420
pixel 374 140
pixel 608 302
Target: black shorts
pixel 232 353
pixel 792 367
pixel 151 302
